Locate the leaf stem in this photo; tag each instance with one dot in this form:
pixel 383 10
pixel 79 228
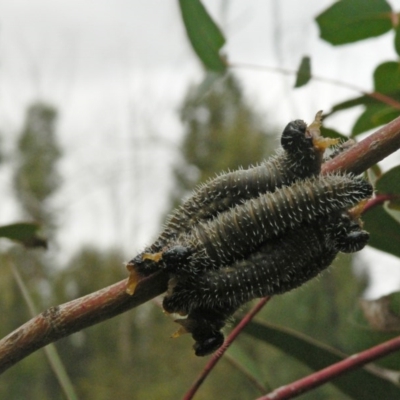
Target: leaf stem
pixel 284 71
pixel 379 200
pixel 216 356
pixel 333 371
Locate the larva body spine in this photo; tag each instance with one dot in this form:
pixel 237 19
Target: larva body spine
pixel 283 265
pixel 298 158
pixel 211 298
pixel 255 232
pixel 238 232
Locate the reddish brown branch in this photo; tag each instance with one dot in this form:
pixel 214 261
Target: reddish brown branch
pixel 229 340
pixel 61 321
pixel 378 200
pixel 368 152
pixel 333 371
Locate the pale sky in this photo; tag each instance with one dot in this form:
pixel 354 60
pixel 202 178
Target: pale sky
pixel 117 71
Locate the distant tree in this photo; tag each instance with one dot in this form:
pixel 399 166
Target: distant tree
pixel 35 180
pixel 222 131
pixel 36 177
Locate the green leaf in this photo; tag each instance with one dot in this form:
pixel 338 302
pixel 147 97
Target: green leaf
pixel 246 362
pixel 362 100
pixel 204 35
pixel 384 231
pixel 397 39
pixel 394 205
pixel 393 211
pixel 373 116
pixel 374 322
pixel 389 182
pixel 304 72
pixel 25 233
pixel 387 77
pixel 376 113
pixel 348 21
pixel 360 384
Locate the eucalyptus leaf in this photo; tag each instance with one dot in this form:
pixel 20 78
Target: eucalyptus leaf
pixel 205 36
pixel 373 116
pixel 359 384
pixel 357 101
pixel 389 182
pixel 303 75
pixel 24 233
pixel 397 39
pixel 348 21
pixel 387 77
pixel 247 362
pixel 384 230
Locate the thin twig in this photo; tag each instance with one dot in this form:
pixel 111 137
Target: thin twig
pixel 216 357
pixel 61 321
pixel 333 371
pixel 284 71
pixel 378 200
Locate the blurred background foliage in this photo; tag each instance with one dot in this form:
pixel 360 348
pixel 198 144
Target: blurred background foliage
pixel 131 356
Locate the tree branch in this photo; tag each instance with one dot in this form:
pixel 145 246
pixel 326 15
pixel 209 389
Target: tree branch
pixel 368 152
pixel 60 321
pixel 218 354
pixel 318 378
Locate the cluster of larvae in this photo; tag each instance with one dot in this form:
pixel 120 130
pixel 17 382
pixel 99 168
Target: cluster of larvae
pixel 255 232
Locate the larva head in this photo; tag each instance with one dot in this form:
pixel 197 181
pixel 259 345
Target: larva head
pixel 304 157
pixel 354 241
pixel 205 326
pixel 294 138
pixel 208 346
pixel 347 233
pixel 176 256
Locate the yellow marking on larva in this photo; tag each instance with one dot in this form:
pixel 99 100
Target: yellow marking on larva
pixel 357 210
pixel 321 143
pixel 152 256
pixel 133 280
pixel 181 331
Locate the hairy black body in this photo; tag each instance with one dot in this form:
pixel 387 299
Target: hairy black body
pixel 210 297
pixel 255 232
pixel 300 156
pixel 238 232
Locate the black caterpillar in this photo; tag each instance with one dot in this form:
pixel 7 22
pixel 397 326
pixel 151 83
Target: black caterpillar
pixel 300 156
pixel 237 233
pixel 255 232
pixel 210 298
